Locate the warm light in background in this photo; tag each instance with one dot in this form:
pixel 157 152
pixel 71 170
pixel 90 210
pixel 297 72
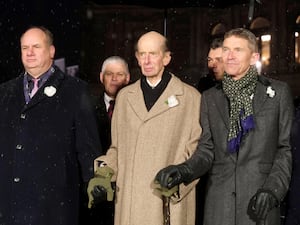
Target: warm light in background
pixel 265 49
pixel 297 47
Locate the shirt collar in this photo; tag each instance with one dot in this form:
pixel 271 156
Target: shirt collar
pixel 107 99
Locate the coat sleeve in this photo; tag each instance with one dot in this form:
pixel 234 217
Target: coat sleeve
pixel 201 161
pixel 111 156
pixel 279 178
pixel 191 145
pixel 87 139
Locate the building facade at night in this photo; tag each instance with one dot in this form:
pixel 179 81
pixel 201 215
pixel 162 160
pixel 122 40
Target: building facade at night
pixel 113 30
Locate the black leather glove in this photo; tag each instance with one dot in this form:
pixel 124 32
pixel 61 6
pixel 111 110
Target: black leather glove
pixel 99 194
pixel 100 186
pixel 174 175
pixel 261 203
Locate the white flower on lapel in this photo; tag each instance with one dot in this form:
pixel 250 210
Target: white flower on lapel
pixel 270 92
pixel 50 91
pixel 172 101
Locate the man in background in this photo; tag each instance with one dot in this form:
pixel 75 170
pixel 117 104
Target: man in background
pixel 114 75
pixel 215 66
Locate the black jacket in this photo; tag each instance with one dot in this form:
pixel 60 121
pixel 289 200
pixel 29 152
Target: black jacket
pixel 47 148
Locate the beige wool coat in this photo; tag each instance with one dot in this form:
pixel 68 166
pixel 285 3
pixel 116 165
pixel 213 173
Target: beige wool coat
pixel 143 142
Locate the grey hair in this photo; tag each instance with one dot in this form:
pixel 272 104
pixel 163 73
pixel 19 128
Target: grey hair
pixel 113 59
pixel 245 34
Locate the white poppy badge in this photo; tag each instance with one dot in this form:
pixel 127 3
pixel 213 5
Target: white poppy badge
pixel 270 92
pixel 172 101
pixel 50 91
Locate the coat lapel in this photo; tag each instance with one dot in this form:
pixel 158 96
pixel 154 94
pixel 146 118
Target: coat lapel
pixel 54 81
pixel 260 96
pixel 222 106
pixel 136 100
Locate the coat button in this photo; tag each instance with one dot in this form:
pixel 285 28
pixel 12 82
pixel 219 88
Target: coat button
pixel 233 194
pixel 19 147
pixel 23 116
pixel 16 179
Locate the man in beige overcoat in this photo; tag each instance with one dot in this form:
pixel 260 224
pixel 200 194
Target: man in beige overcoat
pixel 155 124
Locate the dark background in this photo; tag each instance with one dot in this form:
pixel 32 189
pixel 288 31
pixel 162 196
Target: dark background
pixel 63 18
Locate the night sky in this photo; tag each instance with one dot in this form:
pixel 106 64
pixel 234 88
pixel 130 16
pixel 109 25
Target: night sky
pixel 62 17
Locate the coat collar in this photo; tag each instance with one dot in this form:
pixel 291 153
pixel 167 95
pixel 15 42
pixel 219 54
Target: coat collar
pixel 54 81
pixel 136 99
pixel 259 99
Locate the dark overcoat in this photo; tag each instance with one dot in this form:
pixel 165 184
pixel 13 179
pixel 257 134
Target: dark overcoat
pixel 103 122
pixel 293 206
pixel 47 147
pixel 263 161
pixel 102 213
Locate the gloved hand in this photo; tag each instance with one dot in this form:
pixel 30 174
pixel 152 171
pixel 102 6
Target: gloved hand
pixel 99 187
pixel 174 175
pixel 99 194
pixel 165 191
pixel 261 203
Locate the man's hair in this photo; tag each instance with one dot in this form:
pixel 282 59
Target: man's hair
pixel 216 43
pixel 245 34
pixel 47 32
pixel 115 59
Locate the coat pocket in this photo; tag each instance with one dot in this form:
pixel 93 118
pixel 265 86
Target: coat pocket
pixel 265 167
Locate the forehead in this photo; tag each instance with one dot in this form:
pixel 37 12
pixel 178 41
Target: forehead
pixel 33 36
pixel 214 53
pixel 150 42
pixel 235 42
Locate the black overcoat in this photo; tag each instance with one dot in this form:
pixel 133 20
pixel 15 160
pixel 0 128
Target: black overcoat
pixel 103 122
pixel 293 207
pixel 47 147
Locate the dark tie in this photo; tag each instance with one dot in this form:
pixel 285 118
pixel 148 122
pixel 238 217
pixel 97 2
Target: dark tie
pixel 111 108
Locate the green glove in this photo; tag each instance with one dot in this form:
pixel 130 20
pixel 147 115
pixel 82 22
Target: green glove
pixel 102 178
pixel 165 191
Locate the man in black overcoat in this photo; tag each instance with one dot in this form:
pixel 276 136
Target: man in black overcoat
pixel 48 139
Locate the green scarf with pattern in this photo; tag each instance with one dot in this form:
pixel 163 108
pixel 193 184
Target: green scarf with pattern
pixel 240 94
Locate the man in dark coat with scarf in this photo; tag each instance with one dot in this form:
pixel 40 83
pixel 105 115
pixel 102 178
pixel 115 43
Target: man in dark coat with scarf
pixel 48 139
pixel 245 143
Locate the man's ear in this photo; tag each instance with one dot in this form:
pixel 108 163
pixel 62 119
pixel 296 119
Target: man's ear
pixel 167 58
pixel 52 51
pixel 101 77
pixel 127 78
pixel 137 58
pixel 254 58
